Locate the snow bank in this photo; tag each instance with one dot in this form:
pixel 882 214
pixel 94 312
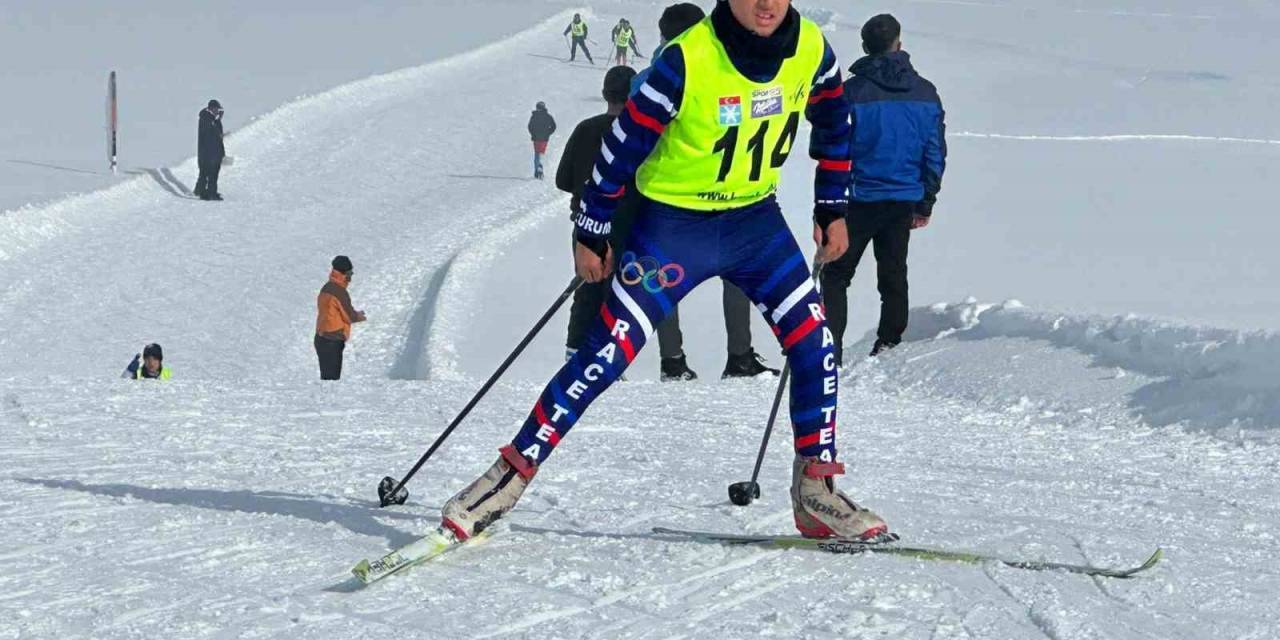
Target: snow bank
pixel 1206 377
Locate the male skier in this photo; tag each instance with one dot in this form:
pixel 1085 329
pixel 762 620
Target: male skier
pixel 624 37
pixel 705 138
pixel 579 30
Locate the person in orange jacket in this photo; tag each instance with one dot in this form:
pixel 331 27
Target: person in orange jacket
pixel 334 318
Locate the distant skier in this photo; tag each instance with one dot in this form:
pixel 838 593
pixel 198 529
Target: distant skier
pixel 624 37
pixel 210 152
pixel 899 153
pixel 334 317
pixel 705 139
pixel 148 365
pixel 578 30
pixel 541 126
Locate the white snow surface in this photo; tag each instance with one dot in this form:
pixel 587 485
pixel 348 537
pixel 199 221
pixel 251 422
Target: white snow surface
pixel 1133 401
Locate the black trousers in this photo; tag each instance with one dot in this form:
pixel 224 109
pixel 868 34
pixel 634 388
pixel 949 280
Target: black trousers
pixel 330 354
pixel 887 227
pixel 573 49
pixel 207 183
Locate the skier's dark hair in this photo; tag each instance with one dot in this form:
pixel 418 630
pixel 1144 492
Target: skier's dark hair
pixel 617 84
pixel 153 350
pixel 879 34
pixel 677 18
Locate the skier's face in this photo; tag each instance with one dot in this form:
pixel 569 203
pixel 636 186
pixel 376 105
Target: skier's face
pixel 761 17
pixel 152 364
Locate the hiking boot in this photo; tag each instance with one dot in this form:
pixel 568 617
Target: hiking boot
pixel 881 346
pixel 677 370
pixel 491 496
pixel 823 511
pixel 747 365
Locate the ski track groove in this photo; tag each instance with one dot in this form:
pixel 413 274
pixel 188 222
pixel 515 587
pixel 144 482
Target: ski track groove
pixel 1025 611
pixel 536 619
pixel 760 587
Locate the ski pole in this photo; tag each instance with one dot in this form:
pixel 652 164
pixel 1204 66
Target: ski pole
pixel 743 493
pixel 389 492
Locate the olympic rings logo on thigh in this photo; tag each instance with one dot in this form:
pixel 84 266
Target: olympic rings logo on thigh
pixel 646 271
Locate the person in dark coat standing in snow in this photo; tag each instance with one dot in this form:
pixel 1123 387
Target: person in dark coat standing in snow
pixel 210 152
pixel 541 126
pixel 899 150
pixel 571 177
pixel 578 28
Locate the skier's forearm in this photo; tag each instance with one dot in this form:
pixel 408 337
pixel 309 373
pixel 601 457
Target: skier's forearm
pixel 633 137
pixel 828 112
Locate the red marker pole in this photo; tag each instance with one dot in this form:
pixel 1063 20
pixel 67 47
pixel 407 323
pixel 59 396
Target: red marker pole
pixel 112 120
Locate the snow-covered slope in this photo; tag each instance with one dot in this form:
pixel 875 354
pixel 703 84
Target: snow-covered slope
pixel 172 57
pixel 231 501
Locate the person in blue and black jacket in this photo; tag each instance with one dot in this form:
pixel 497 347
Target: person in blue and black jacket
pixel 899 149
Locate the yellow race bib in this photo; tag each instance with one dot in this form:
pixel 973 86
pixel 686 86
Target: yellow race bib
pixel 724 148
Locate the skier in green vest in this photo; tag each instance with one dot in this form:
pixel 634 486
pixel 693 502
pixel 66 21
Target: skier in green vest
pixel 624 37
pixel 578 28
pixel 705 139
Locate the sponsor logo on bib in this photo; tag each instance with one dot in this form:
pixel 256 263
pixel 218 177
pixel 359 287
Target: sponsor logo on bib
pixel 766 102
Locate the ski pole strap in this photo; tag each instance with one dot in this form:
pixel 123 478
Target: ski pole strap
pixel 518 462
pixel 824 469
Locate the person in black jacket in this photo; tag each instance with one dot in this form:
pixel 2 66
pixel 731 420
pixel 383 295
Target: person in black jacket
pixel 541 126
pixel 571 175
pixel 899 149
pixel 209 151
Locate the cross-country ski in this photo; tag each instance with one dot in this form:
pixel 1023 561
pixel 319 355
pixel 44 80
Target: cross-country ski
pixel 892 547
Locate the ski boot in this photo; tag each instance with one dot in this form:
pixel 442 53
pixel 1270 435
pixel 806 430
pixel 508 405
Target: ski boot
pixel 747 365
pixel 677 370
pixel 490 496
pixel 823 511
